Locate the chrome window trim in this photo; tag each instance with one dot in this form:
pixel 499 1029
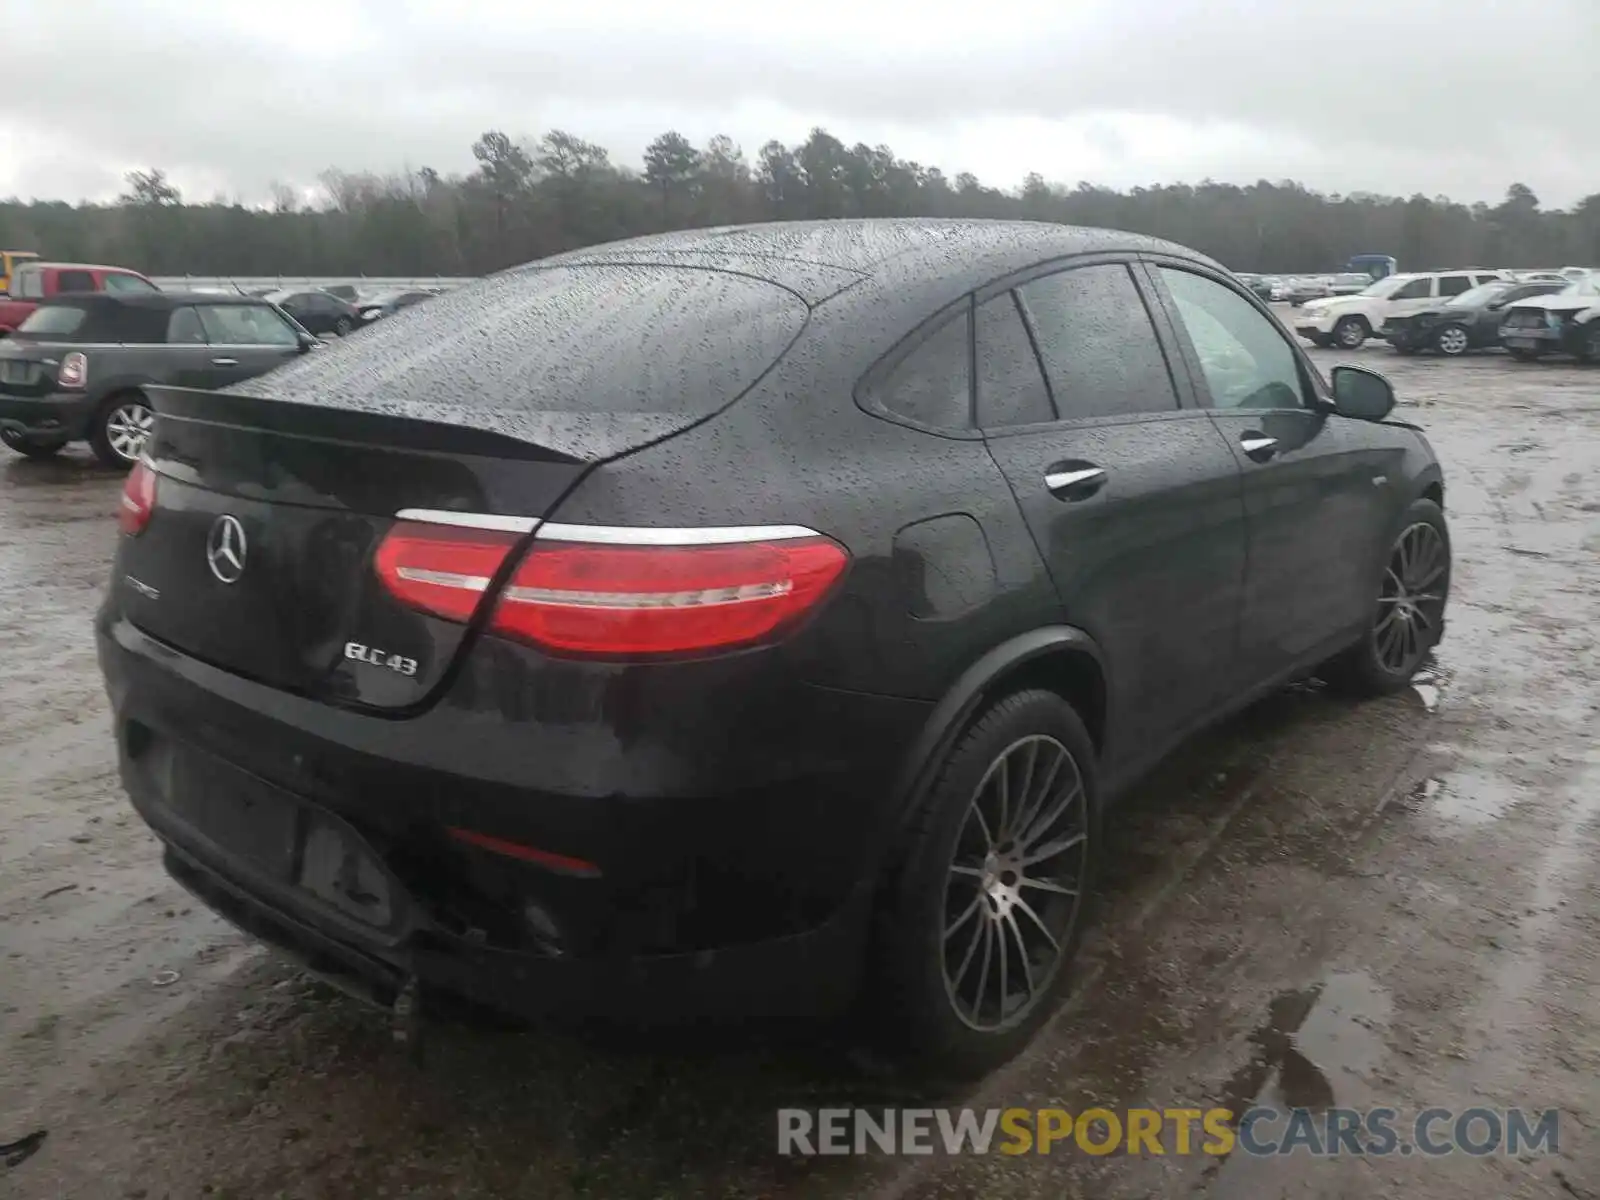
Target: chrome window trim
pixel 611 535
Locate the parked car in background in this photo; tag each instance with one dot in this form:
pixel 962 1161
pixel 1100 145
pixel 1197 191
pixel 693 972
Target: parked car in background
pixel 1470 321
pixel 1348 321
pixel 1564 322
pixel 577 667
pixel 1302 288
pixel 348 292
pixel 79 368
pixel 1541 277
pixel 35 282
pixel 389 303
pixel 10 260
pixel 319 311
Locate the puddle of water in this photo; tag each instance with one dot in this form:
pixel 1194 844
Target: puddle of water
pixel 1312 1038
pixel 1472 797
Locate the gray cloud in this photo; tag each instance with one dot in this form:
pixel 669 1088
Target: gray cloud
pixel 1460 96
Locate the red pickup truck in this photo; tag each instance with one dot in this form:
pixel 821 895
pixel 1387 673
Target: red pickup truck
pixel 34 282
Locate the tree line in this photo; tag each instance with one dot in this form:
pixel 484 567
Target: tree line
pixel 533 197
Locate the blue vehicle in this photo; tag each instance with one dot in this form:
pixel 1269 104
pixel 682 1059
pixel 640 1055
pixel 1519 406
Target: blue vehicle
pixel 1376 265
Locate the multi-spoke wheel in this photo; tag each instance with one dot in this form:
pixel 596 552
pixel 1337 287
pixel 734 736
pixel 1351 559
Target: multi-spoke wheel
pixel 120 431
pixel 1452 340
pixel 988 896
pixel 1408 618
pixel 1015 882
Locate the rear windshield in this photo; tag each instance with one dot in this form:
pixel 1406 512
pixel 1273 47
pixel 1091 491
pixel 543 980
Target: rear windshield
pixel 53 320
pixel 652 341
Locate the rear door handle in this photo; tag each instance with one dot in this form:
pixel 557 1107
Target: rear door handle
pixel 1075 483
pixel 224 362
pixel 1258 446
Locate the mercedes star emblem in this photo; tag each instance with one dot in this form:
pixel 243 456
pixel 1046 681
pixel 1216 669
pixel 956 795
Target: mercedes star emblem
pixel 225 549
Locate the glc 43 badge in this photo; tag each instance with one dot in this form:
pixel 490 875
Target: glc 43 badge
pixel 371 655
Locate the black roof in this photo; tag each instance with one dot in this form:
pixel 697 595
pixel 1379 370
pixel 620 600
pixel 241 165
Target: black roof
pixel 819 259
pixel 159 301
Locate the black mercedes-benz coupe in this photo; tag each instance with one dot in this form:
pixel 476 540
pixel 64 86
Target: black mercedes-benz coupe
pixel 744 620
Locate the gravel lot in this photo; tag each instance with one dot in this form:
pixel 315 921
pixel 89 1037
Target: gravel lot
pixel 1393 903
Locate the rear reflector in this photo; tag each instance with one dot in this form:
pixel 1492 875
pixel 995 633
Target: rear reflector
pixel 563 863
pixel 439 569
pixel 610 598
pixel 138 499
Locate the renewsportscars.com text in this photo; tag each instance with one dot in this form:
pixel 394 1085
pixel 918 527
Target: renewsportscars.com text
pixel 1258 1132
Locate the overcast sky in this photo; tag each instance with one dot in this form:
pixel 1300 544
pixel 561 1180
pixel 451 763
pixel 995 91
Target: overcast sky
pixel 1458 97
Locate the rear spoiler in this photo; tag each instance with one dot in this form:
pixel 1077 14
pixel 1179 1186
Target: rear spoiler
pixel 317 422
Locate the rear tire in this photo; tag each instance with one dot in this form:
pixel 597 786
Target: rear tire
pixel 973 869
pixel 1407 618
pixel 1589 344
pixel 28 447
pixel 120 429
pixel 342 326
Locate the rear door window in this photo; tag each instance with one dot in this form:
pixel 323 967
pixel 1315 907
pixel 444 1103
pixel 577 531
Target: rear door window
pixel 1011 387
pixel 932 385
pixel 75 281
pixel 1454 285
pixel 246 325
pixel 1099 347
pixel 184 328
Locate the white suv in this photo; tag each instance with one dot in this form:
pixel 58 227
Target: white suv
pixel 1347 321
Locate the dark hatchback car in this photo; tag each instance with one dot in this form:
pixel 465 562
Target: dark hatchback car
pixel 1470 321
pixel 321 312
pixel 714 622
pixel 80 367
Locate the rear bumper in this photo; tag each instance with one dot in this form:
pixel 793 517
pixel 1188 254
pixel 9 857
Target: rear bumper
pixel 57 415
pixel 708 895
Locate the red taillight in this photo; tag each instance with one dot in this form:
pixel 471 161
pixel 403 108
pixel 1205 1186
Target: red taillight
pixel 616 592
pixel 443 570
pixel 574 597
pixel 138 499
pixel 74 372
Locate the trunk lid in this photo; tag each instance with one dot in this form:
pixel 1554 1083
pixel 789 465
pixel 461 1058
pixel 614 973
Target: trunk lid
pixel 306 497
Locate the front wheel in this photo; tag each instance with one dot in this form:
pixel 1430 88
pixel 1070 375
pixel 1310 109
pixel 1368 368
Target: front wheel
pixel 1452 340
pixel 342 326
pixel 1407 620
pixel 121 429
pixel 984 914
pixel 1350 333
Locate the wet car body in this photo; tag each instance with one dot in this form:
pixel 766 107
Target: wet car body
pixel 398 796
pixel 1470 321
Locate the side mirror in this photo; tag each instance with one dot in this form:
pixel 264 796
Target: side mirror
pixel 308 342
pixel 1496 305
pixel 1361 394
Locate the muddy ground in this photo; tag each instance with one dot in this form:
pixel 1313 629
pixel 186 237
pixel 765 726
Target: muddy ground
pixel 1392 903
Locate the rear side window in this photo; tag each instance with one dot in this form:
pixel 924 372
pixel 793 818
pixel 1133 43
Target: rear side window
pixel 53 320
pixel 1417 289
pixel 74 281
pixel 1454 285
pixel 933 384
pixel 1099 346
pixel 246 325
pixel 1011 388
